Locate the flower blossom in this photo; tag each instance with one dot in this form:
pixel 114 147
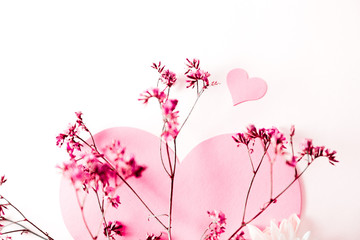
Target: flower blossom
pixel 95 170
pixel 170 119
pixel 217 226
pixel 170 116
pixel 267 136
pixel 278 140
pixel 2 180
pixel 153 237
pixel 286 231
pixel 195 74
pixel 71 136
pixel 317 151
pixel 152 92
pixel 167 77
pixel 114 229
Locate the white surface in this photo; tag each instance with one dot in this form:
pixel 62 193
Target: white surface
pixel 58 57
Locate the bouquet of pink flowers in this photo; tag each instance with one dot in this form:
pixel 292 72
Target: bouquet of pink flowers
pixel 102 171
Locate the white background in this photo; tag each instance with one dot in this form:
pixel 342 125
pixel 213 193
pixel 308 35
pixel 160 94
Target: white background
pixel 58 57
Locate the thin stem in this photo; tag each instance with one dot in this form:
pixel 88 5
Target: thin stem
pixel 192 108
pixel 271 173
pixel 162 159
pixel 252 181
pixel 101 206
pixel 243 224
pixel 172 179
pixel 135 193
pixel 24 231
pixel 161 156
pixel 81 206
pixel 27 220
pixel 296 178
pixel 169 159
pixel 271 179
pixel 292 152
pixel 25 228
pixel 251 161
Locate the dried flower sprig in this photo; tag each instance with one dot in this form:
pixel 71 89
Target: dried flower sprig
pixel 216 227
pixel 23 225
pixel 171 129
pixel 101 172
pixel 274 137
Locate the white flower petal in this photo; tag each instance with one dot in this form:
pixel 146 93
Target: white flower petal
pixel 286 231
pixel 306 236
pixel 255 233
pixel 274 231
pixel 295 221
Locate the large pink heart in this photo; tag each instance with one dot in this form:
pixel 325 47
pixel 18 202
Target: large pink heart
pixel 214 175
pixel 242 88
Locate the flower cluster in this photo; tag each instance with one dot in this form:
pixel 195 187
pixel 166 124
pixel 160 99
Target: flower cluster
pixel 166 76
pixel 277 139
pixel 70 136
pixel 217 226
pixel 317 151
pixel 196 74
pixel 100 172
pixel 167 105
pixel 90 169
pixel 170 116
pixel 267 136
pixel 112 229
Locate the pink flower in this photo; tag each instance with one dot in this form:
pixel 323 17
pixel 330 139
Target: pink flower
pixel 169 106
pixel 168 78
pixel 153 237
pixel 192 64
pixel 317 151
pixel 2 180
pixel 152 92
pixel 115 201
pixel 286 231
pixel 2 207
pixel 195 74
pixel 114 229
pixel 292 162
pixel 217 226
pixel 278 140
pixel 241 138
pixel 158 67
pixel 125 165
pixel 292 131
pixel 170 119
pixel 60 139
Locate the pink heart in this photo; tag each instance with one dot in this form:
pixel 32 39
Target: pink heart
pixel 214 176
pixel 242 88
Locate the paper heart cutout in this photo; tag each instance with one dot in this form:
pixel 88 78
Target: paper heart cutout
pixel 214 175
pixel 242 88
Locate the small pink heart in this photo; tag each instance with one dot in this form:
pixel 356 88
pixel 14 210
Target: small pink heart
pixel 242 88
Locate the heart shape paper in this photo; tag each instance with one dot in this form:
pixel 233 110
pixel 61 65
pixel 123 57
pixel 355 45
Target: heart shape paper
pixel 215 175
pixel 242 88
